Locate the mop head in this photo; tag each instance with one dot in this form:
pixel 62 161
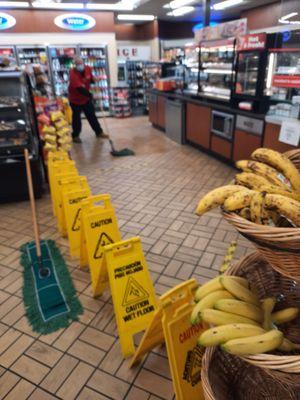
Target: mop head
pixel 120 153
pixel 50 302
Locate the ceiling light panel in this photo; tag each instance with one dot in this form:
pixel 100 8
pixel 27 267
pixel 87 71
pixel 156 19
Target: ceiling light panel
pixel 135 17
pixel 178 12
pixel 180 3
pixel 15 4
pixel 226 4
pixel 58 6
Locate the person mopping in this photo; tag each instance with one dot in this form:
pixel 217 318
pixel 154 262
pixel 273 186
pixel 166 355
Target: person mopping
pixel 81 99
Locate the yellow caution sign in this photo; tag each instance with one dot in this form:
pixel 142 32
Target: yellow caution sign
pixel 154 334
pixel 132 290
pixel 185 355
pixel 72 211
pixel 67 184
pixel 99 228
pixel 60 167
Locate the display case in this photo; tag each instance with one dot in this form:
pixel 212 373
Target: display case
pixel 17 132
pixel 120 101
pixel 61 62
pixel 96 58
pixel 32 55
pixel 282 83
pixel 250 69
pixel 216 72
pixel 10 53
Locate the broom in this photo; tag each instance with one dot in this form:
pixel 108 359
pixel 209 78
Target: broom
pixel 115 153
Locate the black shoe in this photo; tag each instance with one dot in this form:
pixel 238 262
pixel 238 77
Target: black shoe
pixel 102 135
pixel 77 140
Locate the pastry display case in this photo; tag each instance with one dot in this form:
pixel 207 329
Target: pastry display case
pixel 216 72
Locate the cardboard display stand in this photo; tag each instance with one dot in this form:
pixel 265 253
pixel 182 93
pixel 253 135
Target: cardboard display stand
pixel 99 228
pixel 132 290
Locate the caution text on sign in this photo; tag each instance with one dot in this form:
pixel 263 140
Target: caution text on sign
pixel 99 228
pixel 132 290
pixel 72 211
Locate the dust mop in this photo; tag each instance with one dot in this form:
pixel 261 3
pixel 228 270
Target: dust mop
pixel 49 296
pixel 115 153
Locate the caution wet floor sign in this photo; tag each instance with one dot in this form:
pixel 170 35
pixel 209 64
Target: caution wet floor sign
pixel 132 290
pixel 99 228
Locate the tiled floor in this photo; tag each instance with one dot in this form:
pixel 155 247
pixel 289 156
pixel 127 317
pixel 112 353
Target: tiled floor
pixel 155 194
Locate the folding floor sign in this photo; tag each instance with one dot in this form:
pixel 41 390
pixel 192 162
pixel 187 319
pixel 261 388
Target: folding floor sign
pixel 154 335
pixel 131 288
pixel 67 184
pixel 72 210
pixel 99 227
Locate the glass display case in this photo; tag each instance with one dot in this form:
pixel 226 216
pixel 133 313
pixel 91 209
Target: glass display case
pixel 16 116
pixel 247 73
pixel 10 53
pixel 216 72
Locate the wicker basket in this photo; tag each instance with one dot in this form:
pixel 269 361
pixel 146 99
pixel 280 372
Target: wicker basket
pixel 279 246
pixel 267 282
pixel 226 377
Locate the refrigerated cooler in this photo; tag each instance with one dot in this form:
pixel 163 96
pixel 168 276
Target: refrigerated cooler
pixel 251 62
pixel 216 72
pixel 10 53
pixel 96 58
pixel 17 132
pixel 32 55
pixel 61 61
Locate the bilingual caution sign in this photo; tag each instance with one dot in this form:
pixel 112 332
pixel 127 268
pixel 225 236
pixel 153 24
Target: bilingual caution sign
pixel 99 228
pixel 72 211
pixel 132 290
pixel 154 334
pixel 185 355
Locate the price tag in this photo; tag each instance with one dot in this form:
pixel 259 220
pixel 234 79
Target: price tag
pixel 290 133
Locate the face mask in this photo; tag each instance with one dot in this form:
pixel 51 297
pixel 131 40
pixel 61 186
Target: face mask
pixel 80 67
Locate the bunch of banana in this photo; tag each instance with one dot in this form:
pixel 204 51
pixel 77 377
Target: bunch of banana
pixel 240 323
pixel 267 189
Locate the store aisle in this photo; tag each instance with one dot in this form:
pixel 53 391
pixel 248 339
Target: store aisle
pixel 155 194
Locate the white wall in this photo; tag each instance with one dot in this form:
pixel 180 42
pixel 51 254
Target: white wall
pixel 153 44
pixel 108 39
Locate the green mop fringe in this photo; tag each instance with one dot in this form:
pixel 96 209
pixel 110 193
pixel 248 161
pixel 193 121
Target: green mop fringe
pixel 30 296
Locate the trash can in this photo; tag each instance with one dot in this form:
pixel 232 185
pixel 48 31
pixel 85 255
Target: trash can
pixel 175 120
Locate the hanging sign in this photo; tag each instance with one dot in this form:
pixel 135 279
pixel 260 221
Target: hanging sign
pixel 251 42
pixel 99 228
pixel 6 21
pixel 134 53
pixel 132 290
pixel 185 355
pixel 290 133
pixel 221 31
pixel 72 211
pixel 154 335
pixel 75 22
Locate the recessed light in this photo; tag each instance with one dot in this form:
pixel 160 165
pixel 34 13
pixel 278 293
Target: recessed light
pixel 226 4
pixel 135 17
pixel 15 4
pixel 178 12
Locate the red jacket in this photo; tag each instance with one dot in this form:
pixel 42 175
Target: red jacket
pixel 79 80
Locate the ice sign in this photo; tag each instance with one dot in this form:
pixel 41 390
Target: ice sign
pixel 75 22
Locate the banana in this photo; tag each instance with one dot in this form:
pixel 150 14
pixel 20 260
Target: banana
pixel 208 302
pixel 289 208
pixel 215 284
pixel 245 213
pixel 259 168
pixel 216 317
pixel 238 307
pixel 267 306
pixel 221 334
pixel 256 207
pixel 287 345
pixel 256 182
pixel 216 198
pixel 254 344
pixel 286 315
pixel 281 163
pixel 239 291
pixel 238 200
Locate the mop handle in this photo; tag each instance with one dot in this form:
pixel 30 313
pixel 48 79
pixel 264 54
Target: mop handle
pixel 32 203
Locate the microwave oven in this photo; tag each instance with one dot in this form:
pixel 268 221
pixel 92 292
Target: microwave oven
pixel 222 124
